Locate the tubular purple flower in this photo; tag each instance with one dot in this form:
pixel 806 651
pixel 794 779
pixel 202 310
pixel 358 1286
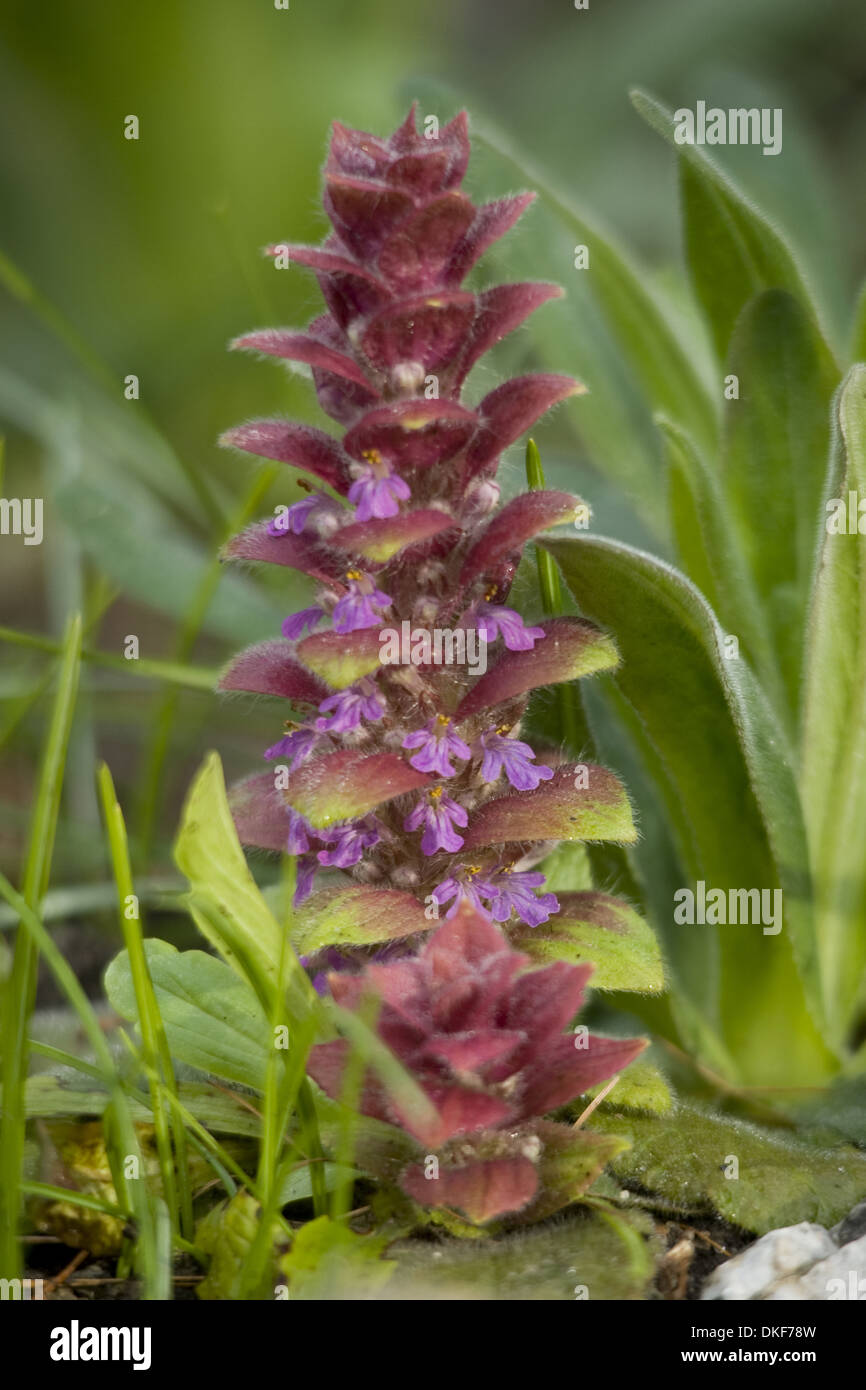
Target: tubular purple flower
pixel 349 843
pixel 362 606
pixel 297 623
pixel 438 814
pixel 464 886
pixel 493 620
pixel 295 747
pixel 377 490
pixel 305 873
pixel 294 519
pixel 347 708
pixel 438 743
pixel 515 759
pixel 297 840
pixel 515 892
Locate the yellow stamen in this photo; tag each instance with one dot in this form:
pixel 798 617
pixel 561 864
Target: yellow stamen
pixel 442 719
pixel 371 456
pixel 435 793
pixel 354 574
pixel 490 594
pixel 504 729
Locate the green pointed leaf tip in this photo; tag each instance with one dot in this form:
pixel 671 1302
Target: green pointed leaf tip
pixel 604 931
pixel 580 802
pixel 732 250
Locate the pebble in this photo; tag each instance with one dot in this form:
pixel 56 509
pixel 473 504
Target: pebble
pixel 777 1255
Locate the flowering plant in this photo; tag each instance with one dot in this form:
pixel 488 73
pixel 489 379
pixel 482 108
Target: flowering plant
pixel 405 773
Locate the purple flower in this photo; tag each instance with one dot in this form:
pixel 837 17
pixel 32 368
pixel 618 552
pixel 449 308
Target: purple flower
pixel 513 892
pixel 327 960
pixel 512 757
pixel 299 831
pixel 493 620
pixel 349 841
pixel 357 608
pixel 295 518
pixel 305 871
pixel 295 747
pixel 438 744
pixel 464 886
pixel 294 625
pixel 377 489
pixel 347 708
pixel 438 814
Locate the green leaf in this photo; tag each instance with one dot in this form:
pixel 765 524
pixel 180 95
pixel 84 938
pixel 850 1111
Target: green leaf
pixel 53 1097
pixel 349 783
pixel 565 808
pixel 774 446
pixel 710 552
pixel 640 1087
pixel 298 1184
pixel 227 1234
pixel 329 1261
pixel 341 658
pixel 834 723
pixel 727 778
pixel 684 1156
pixel 567 869
pixel 212 1018
pixel 604 930
pixel 226 903
pixel 580 1256
pixel 733 252
pixel 18 984
pixel 570 1162
pixel 356 916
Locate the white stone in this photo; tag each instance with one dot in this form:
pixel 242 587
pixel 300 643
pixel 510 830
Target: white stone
pixel 774 1257
pixel 840 1277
